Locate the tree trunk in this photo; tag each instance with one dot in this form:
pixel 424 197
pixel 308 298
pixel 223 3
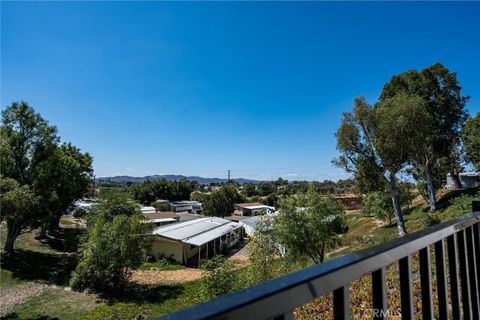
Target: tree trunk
pixel 13 231
pixel 42 232
pixel 456 178
pixel 396 205
pixel 430 189
pixel 54 224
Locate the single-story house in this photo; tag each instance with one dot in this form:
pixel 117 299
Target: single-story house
pixel 186 206
pixel 191 241
pixel 161 218
pixel 148 210
pixel 251 209
pixel 467 179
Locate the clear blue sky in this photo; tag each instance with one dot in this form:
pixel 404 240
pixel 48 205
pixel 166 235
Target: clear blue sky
pixel 199 88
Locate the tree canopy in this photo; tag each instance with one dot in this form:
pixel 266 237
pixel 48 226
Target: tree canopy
pixel 30 154
pixel 471 140
pixel 308 224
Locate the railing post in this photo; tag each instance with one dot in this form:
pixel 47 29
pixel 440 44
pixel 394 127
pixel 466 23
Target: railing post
pixel 472 271
pixel 441 280
pixel 426 284
pixel 475 205
pixel 476 238
pixel 453 271
pixel 341 303
pixel 464 278
pixel 406 288
pixel 379 294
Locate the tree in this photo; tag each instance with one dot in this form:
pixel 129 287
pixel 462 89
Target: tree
pixel 114 204
pixel 367 141
pixel 249 189
pixel 440 90
pixel 220 277
pixel 308 224
pixel 378 204
pixel 69 180
pixel 264 249
pixel 471 140
pixel 27 145
pixel 114 245
pixel 220 203
pixel 17 205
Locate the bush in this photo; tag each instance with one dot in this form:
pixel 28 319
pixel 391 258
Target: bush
pixel 377 204
pixel 220 277
pixel 430 220
pixel 462 204
pixel 111 249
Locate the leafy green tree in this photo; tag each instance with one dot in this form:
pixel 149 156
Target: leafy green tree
pixel 17 205
pixel 220 277
pixel 249 189
pixel 72 175
pixel 220 203
pixel 114 204
pixel 308 224
pixel 198 196
pixel 374 144
pixel 264 249
pixel 27 147
pixel 471 140
pixel 377 204
pixel 114 245
pixel 271 200
pixel 440 90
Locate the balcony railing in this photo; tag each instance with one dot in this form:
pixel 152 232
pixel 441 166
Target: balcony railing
pixel 458 239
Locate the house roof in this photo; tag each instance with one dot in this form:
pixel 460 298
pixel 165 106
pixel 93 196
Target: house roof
pixel 248 204
pixel 161 215
pixel 160 220
pixel 198 231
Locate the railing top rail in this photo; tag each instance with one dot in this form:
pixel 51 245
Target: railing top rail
pixel 281 295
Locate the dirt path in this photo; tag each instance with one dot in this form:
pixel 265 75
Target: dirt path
pixel 12 297
pixel 240 258
pixel 157 277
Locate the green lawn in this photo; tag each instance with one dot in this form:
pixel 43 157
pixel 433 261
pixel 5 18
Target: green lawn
pixel 55 304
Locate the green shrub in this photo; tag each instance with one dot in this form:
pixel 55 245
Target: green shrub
pixel 377 204
pixel 462 204
pixel 111 249
pixel 430 220
pixel 220 277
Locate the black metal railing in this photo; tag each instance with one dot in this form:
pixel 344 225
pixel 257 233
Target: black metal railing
pixel 459 240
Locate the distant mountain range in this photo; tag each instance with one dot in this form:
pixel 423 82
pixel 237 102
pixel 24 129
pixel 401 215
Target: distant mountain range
pixel 201 180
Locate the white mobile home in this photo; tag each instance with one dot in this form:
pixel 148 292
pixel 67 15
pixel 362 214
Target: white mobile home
pixel 191 241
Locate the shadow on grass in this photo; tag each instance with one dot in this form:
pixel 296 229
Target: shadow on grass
pixel 32 265
pixel 147 294
pixel 64 240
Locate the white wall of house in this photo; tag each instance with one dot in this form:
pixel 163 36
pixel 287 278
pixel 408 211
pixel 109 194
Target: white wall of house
pixel 166 248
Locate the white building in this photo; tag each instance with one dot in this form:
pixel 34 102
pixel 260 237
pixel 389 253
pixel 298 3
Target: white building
pixel 467 179
pixel 148 210
pixel 252 209
pixel 186 206
pixel 191 241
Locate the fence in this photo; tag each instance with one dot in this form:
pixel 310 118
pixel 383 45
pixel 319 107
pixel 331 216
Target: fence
pixel 458 239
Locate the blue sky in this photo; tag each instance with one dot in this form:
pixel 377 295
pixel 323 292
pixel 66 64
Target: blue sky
pixel 199 88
